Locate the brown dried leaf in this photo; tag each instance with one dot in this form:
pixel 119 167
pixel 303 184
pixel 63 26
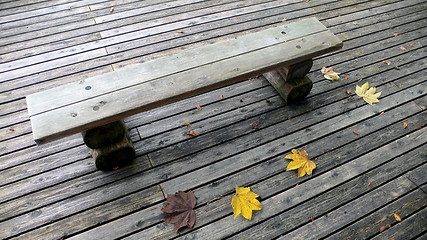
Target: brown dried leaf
pixel 179 31
pixel 198 107
pixel 112 9
pixel 412 45
pixel 385 61
pixel 355 132
pixel 222 97
pixel 180 209
pixel 402 48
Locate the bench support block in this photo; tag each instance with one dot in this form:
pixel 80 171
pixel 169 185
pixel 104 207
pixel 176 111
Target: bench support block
pixel 111 145
pixel 291 82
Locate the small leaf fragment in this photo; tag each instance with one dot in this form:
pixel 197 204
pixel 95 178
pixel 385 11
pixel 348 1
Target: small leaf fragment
pixel 397 217
pixel 186 123
pixel 222 97
pixel 348 92
pixel 312 219
pixel 395 34
pixel 180 31
pixel 191 133
pixel 11 129
pixel 284 20
pixel 255 126
pixel 412 45
pixel 405 124
pixel 355 132
pixel 329 73
pixel 402 48
pixel 383 228
pixel 198 107
pixel 115 168
pixel 385 61
pixel 112 9
pixel 301 162
pixel 244 201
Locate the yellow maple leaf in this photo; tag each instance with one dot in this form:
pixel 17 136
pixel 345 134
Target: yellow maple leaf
pixel 301 162
pixel 329 73
pixel 244 202
pixel 368 94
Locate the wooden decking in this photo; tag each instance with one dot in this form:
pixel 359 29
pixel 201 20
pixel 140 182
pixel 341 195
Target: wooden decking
pixel 369 166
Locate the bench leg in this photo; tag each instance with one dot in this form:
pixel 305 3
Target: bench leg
pixel 111 145
pixel 291 82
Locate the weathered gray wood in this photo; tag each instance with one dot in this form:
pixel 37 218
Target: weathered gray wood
pixel 408 228
pixel 226 226
pixel 168 89
pixel 105 135
pixel 269 187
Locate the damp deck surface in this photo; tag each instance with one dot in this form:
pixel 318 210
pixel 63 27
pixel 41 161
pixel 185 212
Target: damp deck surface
pixel 369 165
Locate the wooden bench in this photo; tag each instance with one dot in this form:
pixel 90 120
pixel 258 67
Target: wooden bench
pixel 96 106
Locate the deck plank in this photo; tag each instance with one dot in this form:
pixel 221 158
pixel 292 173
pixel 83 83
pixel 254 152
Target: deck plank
pixel 54 191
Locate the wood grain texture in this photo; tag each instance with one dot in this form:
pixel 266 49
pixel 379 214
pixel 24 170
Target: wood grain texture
pixel 54 190
pixel 170 88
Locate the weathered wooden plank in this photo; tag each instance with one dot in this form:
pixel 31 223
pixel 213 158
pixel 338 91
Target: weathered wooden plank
pixel 323 204
pixel 285 200
pixel 280 116
pixel 408 228
pixel 383 217
pixel 257 153
pixel 157 89
pixel 63 69
pixel 43 11
pixel 94 216
pixel 271 167
pixel 352 210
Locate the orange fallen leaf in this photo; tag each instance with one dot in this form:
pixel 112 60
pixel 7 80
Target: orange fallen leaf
pixel 355 132
pixel 222 97
pixel 386 62
pixel 115 168
pixel 345 76
pixel 395 34
pixel 412 45
pixel 369 184
pixel 312 219
pixel 11 129
pixel 418 128
pixel 348 92
pixel 397 217
pixel 405 124
pixel 192 133
pixel 383 228
pixel 186 123
pixel 381 113
pixel 179 31
pixel 402 47
pixel 112 9
pixel 198 107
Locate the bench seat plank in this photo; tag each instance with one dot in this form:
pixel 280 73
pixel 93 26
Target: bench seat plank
pixel 128 91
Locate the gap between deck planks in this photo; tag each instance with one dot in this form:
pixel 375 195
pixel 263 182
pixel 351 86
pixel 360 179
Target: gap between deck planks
pixel 389 72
